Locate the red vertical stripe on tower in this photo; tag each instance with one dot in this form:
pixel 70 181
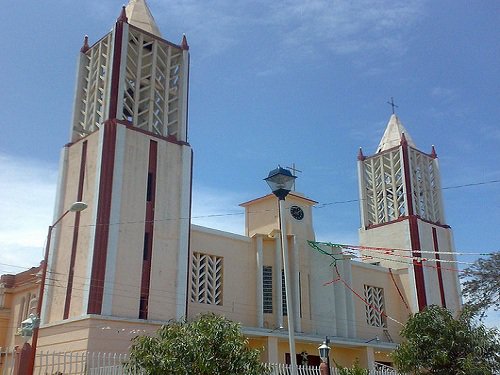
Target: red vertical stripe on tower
pixel 438 267
pixel 76 229
pixel 96 288
pixel 148 230
pixel 413 226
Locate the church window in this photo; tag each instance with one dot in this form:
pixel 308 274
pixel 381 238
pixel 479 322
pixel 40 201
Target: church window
pixel 375 306
pixel 206 279
pixel 267 289
pixel 283 293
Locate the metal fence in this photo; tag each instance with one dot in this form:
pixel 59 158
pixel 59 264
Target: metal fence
pixel 282 369
pixel 95 363
pixel 7 359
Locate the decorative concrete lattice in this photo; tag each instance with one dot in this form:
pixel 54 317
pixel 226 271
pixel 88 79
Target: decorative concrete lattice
pixel 375 307
pixel 425 187
pixel 267 289
pixel 206 279
pixel 153 75
pixel 384 183
pixel 93 84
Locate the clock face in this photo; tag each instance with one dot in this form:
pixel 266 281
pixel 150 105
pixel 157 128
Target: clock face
pixel 297 212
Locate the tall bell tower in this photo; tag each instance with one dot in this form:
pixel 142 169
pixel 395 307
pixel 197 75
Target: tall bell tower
pixel 402 216
pixel 129 159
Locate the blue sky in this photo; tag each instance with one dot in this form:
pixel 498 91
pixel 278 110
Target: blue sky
pixel 302 82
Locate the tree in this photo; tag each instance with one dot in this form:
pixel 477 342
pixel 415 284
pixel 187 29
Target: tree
pixel 436 343
pixel 481 287
pixel 356 369
pixel 209 345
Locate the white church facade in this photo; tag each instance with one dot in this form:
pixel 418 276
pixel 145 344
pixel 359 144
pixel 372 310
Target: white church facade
pixel 133 261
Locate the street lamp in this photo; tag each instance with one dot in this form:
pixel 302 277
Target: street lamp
pixel 324 351
pixel 280 180
pixel 75 207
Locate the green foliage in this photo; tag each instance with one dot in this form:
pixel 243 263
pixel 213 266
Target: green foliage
pixel 436 343
pixel 356 369
pixel 209 345
pixel 481 285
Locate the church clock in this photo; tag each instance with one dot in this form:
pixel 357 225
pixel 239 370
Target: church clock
pixel 297 212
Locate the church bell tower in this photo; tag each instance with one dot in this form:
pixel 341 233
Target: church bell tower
pixel 402 218
pixel 129 159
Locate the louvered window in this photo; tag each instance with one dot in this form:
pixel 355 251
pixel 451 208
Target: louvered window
pixel 267 289
pixel 283 293
pixel 206 279
pixel 375 307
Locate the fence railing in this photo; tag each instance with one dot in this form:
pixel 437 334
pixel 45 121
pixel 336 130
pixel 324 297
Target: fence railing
pixel 7 359
pixel 95 363
pixel 282 369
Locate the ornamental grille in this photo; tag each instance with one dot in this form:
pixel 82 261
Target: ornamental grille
pixel 425 186
pixel 152 84
pixel 267 289
pixel 206 279
pixel 93 83
pixel 375 307
pixel 385 191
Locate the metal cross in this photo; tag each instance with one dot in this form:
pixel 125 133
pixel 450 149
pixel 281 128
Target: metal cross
pixel 294 171
pixel 393 105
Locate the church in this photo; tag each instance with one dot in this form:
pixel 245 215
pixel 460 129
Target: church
pixel 132 260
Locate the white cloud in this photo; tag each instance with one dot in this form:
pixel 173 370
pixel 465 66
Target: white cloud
pixel 294 26
pixel 28 189
pixel 218 210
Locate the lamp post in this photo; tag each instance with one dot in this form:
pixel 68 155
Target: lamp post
pixel 75 207
pixel 281 181
pixel 324 351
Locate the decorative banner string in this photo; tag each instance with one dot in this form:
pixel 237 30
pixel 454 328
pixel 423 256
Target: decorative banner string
pixel 381 312
pixel 397 288
pixel 417 259
pixel 314 245
pixel 358 247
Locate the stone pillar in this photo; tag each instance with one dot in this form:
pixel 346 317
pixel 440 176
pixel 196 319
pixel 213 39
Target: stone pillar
pixel 367 358
pixel 260 282
pixel 272 350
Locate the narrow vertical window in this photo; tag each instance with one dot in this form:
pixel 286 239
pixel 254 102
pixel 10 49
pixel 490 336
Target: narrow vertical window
pixel 283 294
pixel 267 289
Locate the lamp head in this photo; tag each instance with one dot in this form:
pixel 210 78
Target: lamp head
pixel 324 350
pixel 280 180
pixel 78 207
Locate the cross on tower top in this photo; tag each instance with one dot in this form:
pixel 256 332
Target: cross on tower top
pixel 294 171
pixel 393 105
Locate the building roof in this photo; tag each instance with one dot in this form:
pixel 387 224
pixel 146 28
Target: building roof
pixel 139 15
pixel 392 135
pixel 291 194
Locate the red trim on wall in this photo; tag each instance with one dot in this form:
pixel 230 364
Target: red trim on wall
pixel 96 289
pixel 403 218
pixel 103 214
pixel 76 229
pixel 130 126
pixel 414 232
pixel 115 75
pixel 148 230
pixel 417 266
pixel 438 267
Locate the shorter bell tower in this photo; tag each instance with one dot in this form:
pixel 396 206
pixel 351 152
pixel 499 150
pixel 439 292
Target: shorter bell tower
pixel 402 218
